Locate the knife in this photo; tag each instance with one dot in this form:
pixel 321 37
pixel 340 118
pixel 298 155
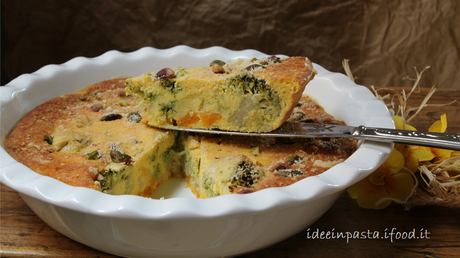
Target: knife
pixel 313 130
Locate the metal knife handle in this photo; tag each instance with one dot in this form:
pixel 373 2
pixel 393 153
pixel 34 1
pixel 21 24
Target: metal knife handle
pixel 437 140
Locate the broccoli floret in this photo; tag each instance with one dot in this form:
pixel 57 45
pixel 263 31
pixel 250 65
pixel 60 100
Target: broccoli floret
pixel 247 174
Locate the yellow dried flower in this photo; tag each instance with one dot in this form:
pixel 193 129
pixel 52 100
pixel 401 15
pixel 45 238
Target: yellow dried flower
pixel 390 182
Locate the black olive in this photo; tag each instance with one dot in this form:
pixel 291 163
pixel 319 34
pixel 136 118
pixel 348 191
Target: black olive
pixel 119 157
pixel 165 73
pixel 274 59
pixel 110 117
pixel 253 67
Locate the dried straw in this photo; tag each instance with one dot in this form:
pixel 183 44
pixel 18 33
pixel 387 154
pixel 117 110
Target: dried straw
pixel 437 182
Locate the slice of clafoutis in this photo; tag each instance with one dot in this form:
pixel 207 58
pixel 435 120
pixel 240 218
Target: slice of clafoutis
pixel 255 95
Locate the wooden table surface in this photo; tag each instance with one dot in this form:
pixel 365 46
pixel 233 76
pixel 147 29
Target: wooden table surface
pixel 23 234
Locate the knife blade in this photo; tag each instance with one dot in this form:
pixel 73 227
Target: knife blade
pixel 311 130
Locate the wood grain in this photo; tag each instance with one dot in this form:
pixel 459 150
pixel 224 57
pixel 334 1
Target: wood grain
pixel 23 234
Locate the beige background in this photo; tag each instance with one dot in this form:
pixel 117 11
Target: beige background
pixel 384 40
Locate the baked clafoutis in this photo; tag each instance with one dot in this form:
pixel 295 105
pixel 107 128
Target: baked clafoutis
pixel 255 95
pixel 94 139
pixel 98 138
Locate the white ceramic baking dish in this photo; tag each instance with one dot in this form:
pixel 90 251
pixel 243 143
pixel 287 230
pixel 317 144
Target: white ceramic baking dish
pixel 180 225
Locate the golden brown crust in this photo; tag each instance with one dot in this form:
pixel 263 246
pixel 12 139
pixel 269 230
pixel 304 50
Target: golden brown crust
pixel 295 70
pixel 26 142
pixel 300 71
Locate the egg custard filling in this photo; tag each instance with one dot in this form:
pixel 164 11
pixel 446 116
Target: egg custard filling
pixel 94 139
pixel 101 137
pixel 255 95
